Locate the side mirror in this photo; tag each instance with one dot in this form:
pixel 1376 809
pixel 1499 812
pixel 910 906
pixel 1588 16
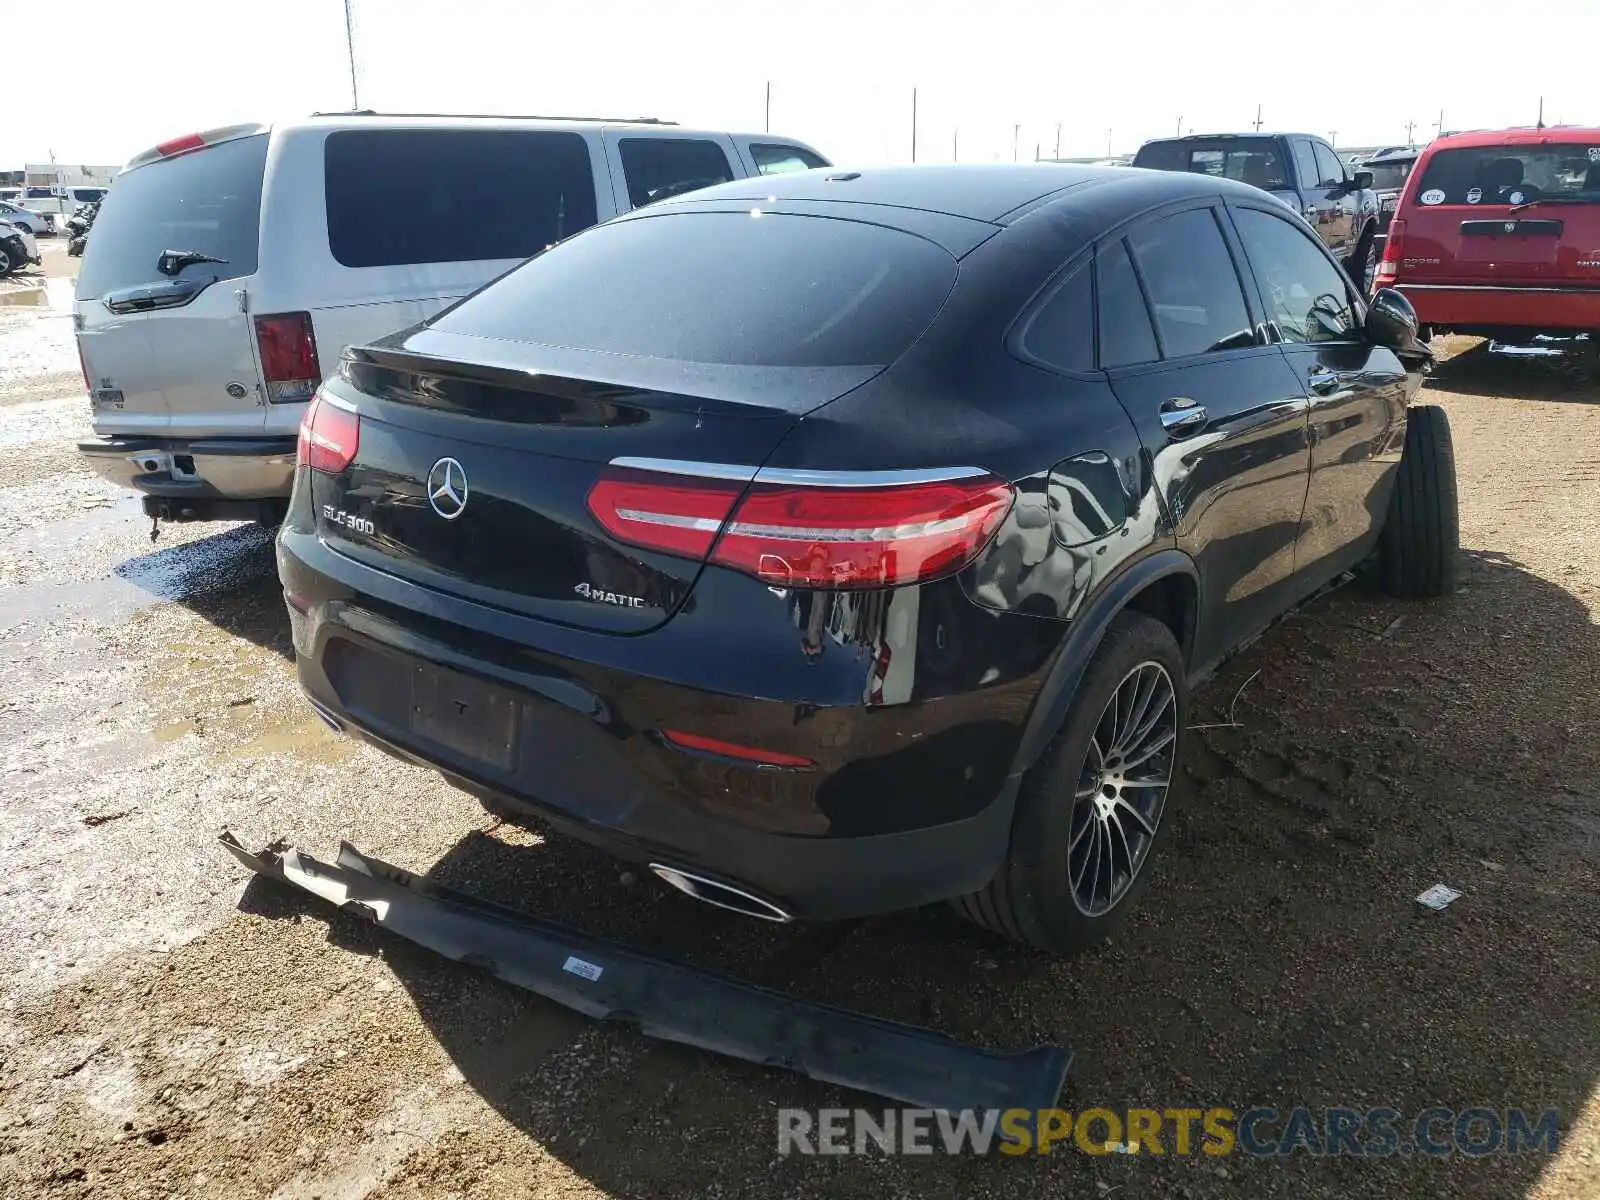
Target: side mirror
pixel 1391 321
pixel 1361 180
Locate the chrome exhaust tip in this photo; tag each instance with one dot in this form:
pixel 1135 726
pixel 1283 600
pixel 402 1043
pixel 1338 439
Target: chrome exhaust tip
pixel 720 895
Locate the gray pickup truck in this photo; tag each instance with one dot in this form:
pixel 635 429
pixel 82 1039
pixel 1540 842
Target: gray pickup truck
pixel 1301 170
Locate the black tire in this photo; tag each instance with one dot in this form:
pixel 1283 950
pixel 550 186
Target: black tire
pixel 1417 551
pixel 1034 897
pixel 8 262
pixel 1363 264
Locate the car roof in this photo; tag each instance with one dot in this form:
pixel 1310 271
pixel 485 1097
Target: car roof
pixel 1212 137
pixel 997 193
pixel 377 120
pixel 1526 135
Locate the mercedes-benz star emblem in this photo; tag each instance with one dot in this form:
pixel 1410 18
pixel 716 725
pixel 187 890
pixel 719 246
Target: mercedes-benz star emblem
pixel 447 488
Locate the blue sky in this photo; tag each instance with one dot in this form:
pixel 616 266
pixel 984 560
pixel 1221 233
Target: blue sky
pixel 140 71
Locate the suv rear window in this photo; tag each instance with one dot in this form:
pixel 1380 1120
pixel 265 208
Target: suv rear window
pixel 1389 176
pixel 207 200
pixel 1255 161
pixel 401 196
pixel 660 168
pixel 1511 174
pixel 735 288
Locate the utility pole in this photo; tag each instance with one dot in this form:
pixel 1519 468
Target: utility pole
pixel 1541 113
pixel 955 145
pixel 1258 118
pixel 1108 144
pixel 1333 138
pixel 768 126
pixel 1410 125
pixel 913 124
pixel 1180 124
pixel 350 47
pixel 1016 134
pixel 1037 148
pixel 1441 122
pixel 1058 139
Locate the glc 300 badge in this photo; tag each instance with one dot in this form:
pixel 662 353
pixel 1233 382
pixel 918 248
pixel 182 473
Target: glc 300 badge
pixel 601 596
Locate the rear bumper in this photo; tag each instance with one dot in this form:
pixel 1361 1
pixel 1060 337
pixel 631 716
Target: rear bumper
pixel 905 804
pixel 1491 307
pixel 256 468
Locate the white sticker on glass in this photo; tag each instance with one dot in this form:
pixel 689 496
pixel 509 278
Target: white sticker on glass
pixel 1594 153
pixel 586 969
pixel 1516 197
pixel 1474 195
pixel 1432 196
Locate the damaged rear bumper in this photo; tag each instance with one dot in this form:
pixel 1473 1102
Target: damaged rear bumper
pixel 670 1000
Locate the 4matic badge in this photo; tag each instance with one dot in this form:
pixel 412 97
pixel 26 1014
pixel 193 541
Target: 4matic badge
pixel 601 596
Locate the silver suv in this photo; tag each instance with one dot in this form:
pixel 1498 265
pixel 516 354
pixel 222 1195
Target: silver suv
pixel 229 269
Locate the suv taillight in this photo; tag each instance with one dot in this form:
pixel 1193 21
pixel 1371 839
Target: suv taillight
pixel 288 356
pixel 822 533
pixel 1393 248
pixel 329 435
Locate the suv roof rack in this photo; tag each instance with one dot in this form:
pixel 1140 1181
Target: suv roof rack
pixel 369 112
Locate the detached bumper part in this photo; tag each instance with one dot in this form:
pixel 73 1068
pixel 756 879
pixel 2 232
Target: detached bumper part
pixel 670 1000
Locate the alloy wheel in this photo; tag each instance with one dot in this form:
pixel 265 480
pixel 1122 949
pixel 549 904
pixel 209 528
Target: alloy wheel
pixel 1122 788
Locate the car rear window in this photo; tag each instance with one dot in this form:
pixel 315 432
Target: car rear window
pixel 1511 174
pixel 1255 161
pixel 207 200
pixel 773 159
pixel 740 288
pixel 402 196
pixel 1390 176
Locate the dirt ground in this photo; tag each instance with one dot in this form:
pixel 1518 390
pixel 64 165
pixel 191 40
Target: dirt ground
pixel 168 1028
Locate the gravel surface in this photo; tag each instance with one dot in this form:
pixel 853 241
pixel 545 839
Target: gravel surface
pixel 169 1029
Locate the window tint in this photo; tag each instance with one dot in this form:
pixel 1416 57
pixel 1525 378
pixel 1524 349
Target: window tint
pixel 1305 164
pixel 1306 295
pixel 1255 161
pixel 772 159
pixel 1330 170
pixel 87 195
pixel 767 290
pixel 1513 174
pixel 40 193
pixel 1390 175
pixel 1061 331
pixel 657 168
pixel 437 195
pixel 1126 336
pixel 208 200
pixel 1193 287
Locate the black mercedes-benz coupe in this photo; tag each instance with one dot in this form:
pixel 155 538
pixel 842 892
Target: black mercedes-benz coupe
pixel 844 541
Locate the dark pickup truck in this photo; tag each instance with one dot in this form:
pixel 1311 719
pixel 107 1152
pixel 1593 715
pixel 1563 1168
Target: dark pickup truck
pixel 1298 168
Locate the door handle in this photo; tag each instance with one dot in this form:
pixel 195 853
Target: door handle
pixel 1324 381
pixel 1181 417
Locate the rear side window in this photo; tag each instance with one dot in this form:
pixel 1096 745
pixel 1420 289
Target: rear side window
pixel 658 168
pixel 399 196
pixel 1194 290
pixel 1511 174
pixel 1126 336
pixel 206 200
pixel 87 195
pixel 773 159
pixel 767 290
pixel 1305 164
pixel 1061 332
pixel 1305 294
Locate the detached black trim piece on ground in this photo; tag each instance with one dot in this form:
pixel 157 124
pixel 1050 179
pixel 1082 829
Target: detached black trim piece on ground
pixel 671 1000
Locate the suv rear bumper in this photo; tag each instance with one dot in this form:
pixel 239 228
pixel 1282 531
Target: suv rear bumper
pixel 199 469
pixel 1466 307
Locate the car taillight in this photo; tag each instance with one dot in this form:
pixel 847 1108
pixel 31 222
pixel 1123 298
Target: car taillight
pixel 329 436
pixel 1393 248
pixel 288 356
pixel 180 145
pixel 825 531
pixel 83 365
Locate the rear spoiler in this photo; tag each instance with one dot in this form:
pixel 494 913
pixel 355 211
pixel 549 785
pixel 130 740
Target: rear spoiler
pixel 173 147
pixel 671 1000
